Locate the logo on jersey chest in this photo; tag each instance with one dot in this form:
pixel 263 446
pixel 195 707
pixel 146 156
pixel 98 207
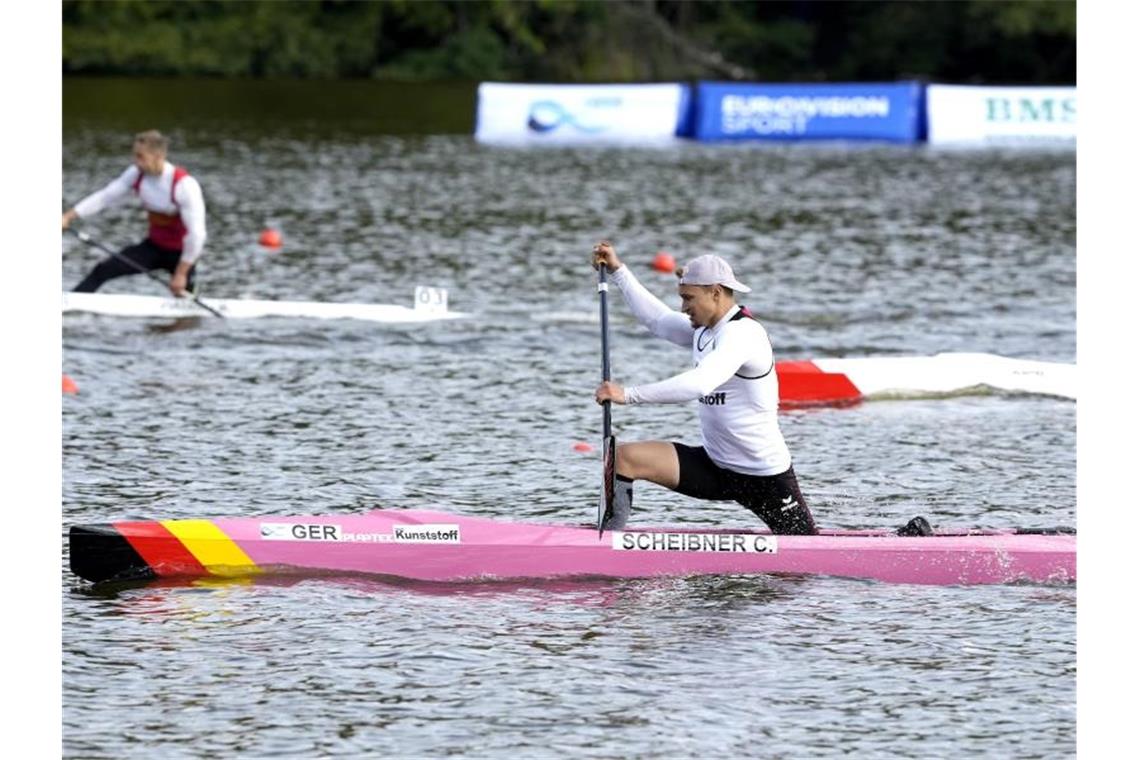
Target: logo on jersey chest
pixel 713 399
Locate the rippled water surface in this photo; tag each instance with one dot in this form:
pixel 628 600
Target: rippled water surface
pixel 851 250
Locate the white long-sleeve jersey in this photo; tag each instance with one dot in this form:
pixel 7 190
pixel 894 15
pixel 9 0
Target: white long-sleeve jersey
pixel 154 192
pixel 734 380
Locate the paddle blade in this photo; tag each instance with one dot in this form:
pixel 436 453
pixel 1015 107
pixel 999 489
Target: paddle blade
pixel 606 499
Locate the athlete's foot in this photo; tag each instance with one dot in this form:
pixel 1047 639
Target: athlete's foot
pixel 623 504
pixel 918 526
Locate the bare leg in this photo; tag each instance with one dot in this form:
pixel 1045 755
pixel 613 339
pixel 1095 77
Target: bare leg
pixel 655 461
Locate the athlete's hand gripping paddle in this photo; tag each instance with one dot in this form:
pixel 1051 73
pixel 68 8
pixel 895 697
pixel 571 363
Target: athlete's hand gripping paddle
pixel 606 500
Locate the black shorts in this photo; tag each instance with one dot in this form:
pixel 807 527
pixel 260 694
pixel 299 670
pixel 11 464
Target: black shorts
pixel 775 499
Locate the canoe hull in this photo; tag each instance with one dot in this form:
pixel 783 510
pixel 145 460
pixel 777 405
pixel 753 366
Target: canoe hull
pixel 116 305
pixel 435 546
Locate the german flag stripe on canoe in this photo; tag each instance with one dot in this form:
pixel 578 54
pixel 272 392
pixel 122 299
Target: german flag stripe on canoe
pixel 144 550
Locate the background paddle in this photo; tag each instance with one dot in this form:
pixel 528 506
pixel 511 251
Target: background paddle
pixel 606 500
pixel 95 243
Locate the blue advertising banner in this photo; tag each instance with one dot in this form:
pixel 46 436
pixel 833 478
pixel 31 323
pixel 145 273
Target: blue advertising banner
pixel 752 111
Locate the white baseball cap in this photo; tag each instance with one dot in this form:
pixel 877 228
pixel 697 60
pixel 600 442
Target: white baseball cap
pixel 711 270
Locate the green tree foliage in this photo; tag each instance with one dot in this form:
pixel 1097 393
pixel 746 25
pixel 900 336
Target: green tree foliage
pixel 1015 41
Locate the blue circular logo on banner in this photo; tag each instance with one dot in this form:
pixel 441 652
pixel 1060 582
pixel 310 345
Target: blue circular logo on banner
pixel 548 115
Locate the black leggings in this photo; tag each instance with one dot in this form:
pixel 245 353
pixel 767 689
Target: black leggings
pixel 146 255
pixel 775 499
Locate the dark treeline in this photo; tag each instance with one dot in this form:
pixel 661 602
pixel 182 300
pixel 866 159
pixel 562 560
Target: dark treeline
pixel 960 41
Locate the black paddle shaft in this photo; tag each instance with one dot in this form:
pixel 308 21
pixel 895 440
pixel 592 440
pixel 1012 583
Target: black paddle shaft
pixel 603 289
pixel 606 502
pixel 83 236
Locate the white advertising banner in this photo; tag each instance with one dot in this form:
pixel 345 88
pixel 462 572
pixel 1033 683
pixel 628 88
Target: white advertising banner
pixel 553 113
pixel 1000 115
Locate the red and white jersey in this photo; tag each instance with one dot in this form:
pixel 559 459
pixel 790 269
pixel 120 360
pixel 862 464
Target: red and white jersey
pixel 174 203
pixel 733 379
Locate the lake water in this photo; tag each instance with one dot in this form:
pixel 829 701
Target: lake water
pixel 851 251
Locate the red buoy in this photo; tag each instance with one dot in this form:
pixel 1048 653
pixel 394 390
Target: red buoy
pixel 69 386
pixel 664 262
pixel 270 238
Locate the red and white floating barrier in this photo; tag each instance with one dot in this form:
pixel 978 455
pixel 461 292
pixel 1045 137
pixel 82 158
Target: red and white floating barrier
pixel 839 381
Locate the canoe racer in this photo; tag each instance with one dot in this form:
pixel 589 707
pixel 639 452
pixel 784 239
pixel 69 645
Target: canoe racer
pixel 175 209
pixel 743 456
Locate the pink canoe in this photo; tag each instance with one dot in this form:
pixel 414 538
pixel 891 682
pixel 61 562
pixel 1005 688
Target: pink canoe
pixel 436 546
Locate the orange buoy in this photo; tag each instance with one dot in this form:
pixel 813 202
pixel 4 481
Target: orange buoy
pixel 270 238
pixel 69 386
pixel 664 262
pixel 583 447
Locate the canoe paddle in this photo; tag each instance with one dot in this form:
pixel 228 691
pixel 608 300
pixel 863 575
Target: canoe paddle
pixel 114 254
pixel 606 500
